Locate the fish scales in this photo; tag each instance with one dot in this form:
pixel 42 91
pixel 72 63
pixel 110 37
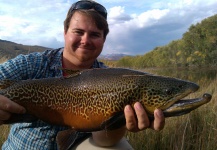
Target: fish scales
pixel 85 100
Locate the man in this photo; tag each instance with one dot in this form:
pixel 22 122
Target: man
pixel 85 31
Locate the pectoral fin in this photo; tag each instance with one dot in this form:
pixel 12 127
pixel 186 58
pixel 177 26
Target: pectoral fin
pixel 65 139
pixel 68 138
pixel 115 122
pixel 20 118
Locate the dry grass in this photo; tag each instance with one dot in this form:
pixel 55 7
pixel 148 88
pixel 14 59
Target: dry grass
pixel 4 129
pixel 194 131
pixel 3 59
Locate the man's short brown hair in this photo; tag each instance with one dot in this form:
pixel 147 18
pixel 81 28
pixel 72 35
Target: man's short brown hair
pixel 99 21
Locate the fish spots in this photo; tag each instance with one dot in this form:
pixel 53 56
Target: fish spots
pixel 98 93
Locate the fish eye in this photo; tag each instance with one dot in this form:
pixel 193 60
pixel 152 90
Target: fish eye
pixel 181 86
pixel 168 91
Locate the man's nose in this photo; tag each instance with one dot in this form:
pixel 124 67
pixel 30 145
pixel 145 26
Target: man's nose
pixel 85 39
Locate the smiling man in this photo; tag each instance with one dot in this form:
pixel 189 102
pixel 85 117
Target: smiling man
pixel 85 31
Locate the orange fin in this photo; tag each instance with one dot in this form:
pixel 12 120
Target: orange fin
pixel 65 139
pixel 68 138
pixel 114 122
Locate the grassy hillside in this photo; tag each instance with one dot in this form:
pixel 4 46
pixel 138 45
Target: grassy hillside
pixel 198 47
pixel 10 49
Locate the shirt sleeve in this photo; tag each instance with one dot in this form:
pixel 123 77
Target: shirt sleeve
pixel 21 67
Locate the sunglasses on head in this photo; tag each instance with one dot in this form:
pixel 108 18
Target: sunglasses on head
pixel 90 5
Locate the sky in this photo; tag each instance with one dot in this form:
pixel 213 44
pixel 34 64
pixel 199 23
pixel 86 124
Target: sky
pixel 136 27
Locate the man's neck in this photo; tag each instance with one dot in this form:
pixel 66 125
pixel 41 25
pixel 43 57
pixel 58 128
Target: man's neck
pixel 73 63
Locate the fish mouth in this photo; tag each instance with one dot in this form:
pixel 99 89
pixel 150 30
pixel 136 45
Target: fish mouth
pixel 179 97
pixel 185 106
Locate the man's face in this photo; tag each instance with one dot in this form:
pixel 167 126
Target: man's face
pixel 83 40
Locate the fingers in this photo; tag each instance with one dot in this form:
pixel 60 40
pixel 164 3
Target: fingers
pixel 7 107
pixel 143 120
pixel 4 115
pixel 159 120
pixel 131 122
pixel 10 106
pixel 138 120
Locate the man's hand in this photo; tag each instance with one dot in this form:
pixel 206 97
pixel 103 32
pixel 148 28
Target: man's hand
pixel 7 107
pixel 138 120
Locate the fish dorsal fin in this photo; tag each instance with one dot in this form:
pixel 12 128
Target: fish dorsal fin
pixel 70 72
pixel 135 75
pixel 6 83
pixel 65 139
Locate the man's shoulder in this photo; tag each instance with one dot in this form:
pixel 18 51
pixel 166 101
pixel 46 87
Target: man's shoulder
pixel 48 52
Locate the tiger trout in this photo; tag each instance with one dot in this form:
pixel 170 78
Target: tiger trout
pixel 94 99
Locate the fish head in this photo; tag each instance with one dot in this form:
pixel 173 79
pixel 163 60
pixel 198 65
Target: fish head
pixel 161 92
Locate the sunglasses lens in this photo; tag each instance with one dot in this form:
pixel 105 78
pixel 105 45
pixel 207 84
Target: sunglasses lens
pixel 90 5
pixel 101 10
pixel 83 5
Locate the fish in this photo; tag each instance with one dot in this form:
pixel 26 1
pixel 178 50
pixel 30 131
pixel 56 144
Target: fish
pixel 94 99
